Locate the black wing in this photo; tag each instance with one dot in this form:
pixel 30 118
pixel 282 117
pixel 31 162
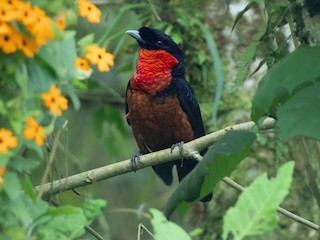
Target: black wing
pixel 189 105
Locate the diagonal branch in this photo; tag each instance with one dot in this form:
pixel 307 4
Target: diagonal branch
pixel 112 170
pixel 190 149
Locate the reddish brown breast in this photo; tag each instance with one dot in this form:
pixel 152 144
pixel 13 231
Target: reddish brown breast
pixel 157 122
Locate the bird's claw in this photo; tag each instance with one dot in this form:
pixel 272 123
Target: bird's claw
pixel 180 148
pixel 135 157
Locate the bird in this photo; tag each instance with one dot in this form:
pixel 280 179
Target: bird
pixel 160 105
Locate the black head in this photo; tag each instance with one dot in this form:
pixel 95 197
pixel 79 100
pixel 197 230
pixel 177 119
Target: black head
pixel 153 39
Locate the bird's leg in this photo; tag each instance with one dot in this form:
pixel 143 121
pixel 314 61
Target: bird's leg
pixel 135 157
pixel 180 148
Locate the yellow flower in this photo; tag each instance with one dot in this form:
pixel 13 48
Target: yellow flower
pixel 60 21
pixel 83 69
pixel 12 2
pixel 5 28
pixel 54 101
pixel 2 172
pixel 7 140
pixel 89 11
pixel 26 13
pixel 41 29
pixel 94 54
pixel 82 64
pixel 8 41
pixel 34 131
pixel 7 12
pixel 27 46
pixel 99 56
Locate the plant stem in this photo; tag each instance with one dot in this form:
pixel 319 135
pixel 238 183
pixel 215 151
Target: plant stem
pixel 51 158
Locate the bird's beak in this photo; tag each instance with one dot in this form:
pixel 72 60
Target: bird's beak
pixel 135 34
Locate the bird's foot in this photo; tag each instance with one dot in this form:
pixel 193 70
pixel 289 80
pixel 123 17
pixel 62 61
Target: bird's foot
pixel 179 145
pixel 135 158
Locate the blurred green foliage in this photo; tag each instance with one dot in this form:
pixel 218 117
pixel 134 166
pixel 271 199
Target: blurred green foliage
pixel 250 36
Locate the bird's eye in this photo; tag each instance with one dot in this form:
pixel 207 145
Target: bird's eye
pixel 159 43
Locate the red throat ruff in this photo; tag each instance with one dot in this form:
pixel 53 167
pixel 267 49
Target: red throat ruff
pixel 153 71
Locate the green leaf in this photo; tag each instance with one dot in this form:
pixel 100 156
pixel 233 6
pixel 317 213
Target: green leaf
pixel 72 94
pixel 300 115
pixel 25 209
pixel 67 57
pixel 242 12
pixel 67 222
pixel 220 160
pixel 196 232
pixel 39 77
pixel 255 210
pixel 248 55
pixel 63 210
pixel 35 208
pixel 164 229
pixel 201 57
pixel 86 40
pixel 70 226
pixel 79 84
pixel 29 189
pixel 244 63
pixel 298 69
pixel 247 58
pixel 60 57
pixel 31 145
pixel 11 185
pixel 21 77
pixel 18 209
pixel 93 208
pixel 13 232
pixel 177 38
pixel 22 165
pixel 5 157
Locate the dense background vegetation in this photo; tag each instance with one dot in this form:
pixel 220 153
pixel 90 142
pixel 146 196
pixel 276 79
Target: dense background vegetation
pixel 229 47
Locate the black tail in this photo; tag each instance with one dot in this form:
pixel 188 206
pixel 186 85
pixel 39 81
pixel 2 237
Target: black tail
pixel 164 171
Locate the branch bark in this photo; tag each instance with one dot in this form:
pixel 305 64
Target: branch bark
pixel 112 170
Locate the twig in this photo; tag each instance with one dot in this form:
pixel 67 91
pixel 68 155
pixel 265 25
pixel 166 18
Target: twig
pixel 93 233
pixel 51 158
pixel 137 212
pixel 141 226
pixel 112 170
pixel 154 11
